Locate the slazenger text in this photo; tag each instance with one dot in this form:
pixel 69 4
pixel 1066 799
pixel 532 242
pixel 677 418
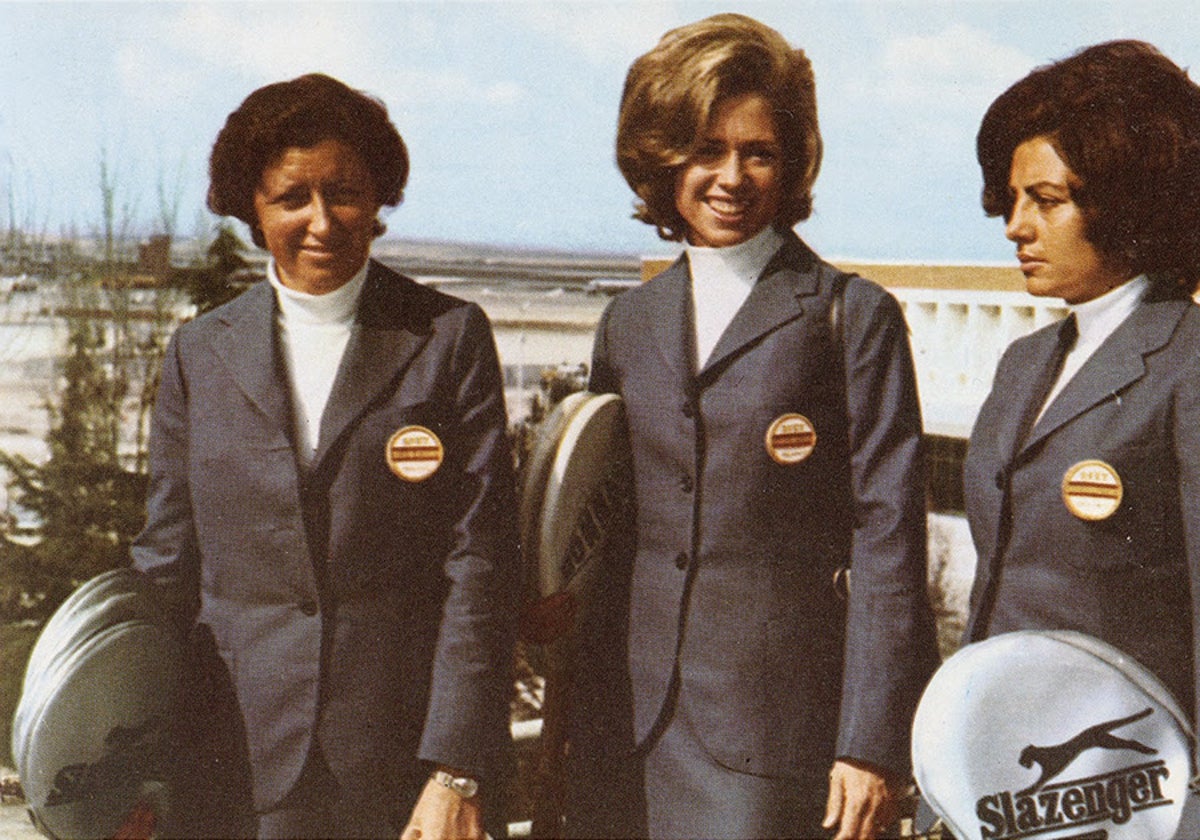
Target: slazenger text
pixel 1112 796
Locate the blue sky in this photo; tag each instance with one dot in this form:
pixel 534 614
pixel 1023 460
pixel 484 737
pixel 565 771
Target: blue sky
pixel 509 108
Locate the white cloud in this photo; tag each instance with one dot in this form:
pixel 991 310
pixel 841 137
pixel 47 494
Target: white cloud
pixel 602 33
pixel 504 93
pixel 406 87
pixel 262 43
pixel 959 67
pixel 270 41
pixel 148 80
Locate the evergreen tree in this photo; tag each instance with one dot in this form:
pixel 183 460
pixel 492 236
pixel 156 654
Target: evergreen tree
pixel 87 504
pixel 222 278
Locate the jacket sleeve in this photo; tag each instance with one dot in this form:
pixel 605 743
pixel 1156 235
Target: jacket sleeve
pixel 890 640
pixel 1186 435
pixel 467 721
pixel 165 550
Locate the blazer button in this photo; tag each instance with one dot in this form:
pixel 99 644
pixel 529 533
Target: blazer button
pixel 686 484
pixel 999 479
pixel 688 409
pixel 681 560
pixel 308 608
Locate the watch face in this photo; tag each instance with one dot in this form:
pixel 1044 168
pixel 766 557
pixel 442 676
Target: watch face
pixel 467 787
pixel 462 785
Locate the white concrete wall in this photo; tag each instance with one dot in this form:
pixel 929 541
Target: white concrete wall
pixel 951 573
pixel 957 339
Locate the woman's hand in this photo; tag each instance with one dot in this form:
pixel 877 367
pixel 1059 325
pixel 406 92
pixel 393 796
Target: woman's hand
pixel 442 814
pixel 861 801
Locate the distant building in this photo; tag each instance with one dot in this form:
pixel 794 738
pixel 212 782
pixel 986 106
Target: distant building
pixel 154 258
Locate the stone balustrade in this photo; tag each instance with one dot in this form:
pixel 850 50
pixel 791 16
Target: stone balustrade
pixel 957 339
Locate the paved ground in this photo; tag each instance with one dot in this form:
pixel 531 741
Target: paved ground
pixel 14 822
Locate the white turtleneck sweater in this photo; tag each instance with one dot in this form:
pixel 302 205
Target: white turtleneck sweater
pixel 1096 320
pixel 314 331
pixel 721 281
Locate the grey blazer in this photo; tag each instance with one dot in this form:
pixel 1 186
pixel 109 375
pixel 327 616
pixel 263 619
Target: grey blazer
pixel 351 608
pixel 1133 578
pixel 732 604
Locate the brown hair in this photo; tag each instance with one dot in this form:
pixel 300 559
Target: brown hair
pixel 1126 120
pixel 301 113
pixel 672 92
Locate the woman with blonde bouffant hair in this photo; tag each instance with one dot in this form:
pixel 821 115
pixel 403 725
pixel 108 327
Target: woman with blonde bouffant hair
pixel 672 91
pixel 730 690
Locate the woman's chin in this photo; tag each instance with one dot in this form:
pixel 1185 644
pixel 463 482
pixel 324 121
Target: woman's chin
pixel 320 275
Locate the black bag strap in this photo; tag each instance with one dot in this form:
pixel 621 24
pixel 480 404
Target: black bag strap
pixel 837 328
pixel 837 340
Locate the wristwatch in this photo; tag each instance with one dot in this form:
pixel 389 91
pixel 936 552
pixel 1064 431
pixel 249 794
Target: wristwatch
pixel 464 786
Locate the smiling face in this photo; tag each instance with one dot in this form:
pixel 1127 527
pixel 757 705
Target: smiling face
pixel 317 209
pixel 1049 229
pixel 731 187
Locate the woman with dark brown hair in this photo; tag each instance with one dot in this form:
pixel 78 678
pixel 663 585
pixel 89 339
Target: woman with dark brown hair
pixel 331 499
pixel 1082 473
pixel 776 440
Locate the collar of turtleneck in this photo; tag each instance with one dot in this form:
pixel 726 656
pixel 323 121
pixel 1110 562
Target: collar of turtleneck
pixel 314 332
pixel 330 308
pixel 1097 318
pixel 743 262
pixel 721 281
pixel 1095 321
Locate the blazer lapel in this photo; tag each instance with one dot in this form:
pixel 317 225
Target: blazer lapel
pixel 775 300
pixel 1038 368
pixel 1118 362
pixel 250 352
pixel 380 347
pixel 671 314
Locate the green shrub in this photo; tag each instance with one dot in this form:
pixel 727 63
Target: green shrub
pixel 16 640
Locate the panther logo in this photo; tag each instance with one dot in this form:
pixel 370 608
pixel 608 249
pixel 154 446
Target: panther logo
pixel 1054 759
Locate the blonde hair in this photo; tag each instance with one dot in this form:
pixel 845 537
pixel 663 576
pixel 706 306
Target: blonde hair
pixel 672 92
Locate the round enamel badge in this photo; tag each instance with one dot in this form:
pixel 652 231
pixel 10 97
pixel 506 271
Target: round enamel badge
pixel 790 439
pixel 414 453
pixel 1092 490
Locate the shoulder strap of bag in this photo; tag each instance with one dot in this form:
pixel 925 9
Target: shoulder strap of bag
pixel 837 335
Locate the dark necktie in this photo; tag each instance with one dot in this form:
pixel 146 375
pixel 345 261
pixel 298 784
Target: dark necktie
pixel 1067 333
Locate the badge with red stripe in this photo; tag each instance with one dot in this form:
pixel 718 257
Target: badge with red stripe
pixel 1092 490
pixel 413 453
pixel 790 439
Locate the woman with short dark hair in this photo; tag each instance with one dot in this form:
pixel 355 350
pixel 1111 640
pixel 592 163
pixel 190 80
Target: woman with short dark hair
pixel 300 113
pixel 1126 121
pixel 776 440
pixel 331 499
pixel 1084 461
